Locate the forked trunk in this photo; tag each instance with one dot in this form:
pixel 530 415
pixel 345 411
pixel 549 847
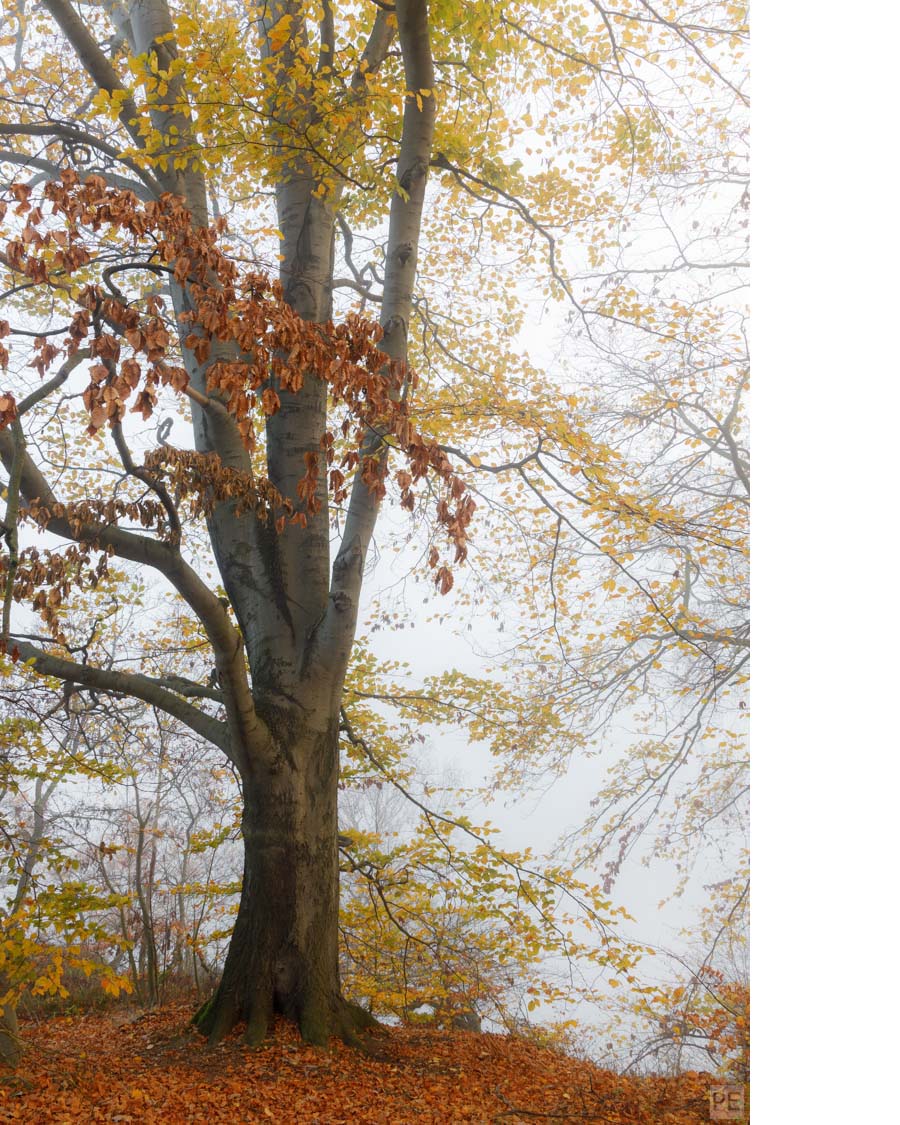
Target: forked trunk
pixel 283 955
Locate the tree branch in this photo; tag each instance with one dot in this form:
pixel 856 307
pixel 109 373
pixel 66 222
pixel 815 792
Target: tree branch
pixel 48 170
pixel 399 279
pixel 63 132
pixel 225 639
pixel 95 62
pixel 11 523
pixel 188 688
pixel 132 684
pixel 377 47
pixel 326 37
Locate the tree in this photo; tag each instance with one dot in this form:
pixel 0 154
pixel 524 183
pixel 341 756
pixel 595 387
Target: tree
pixel 331 115
pixel 282 735
pixel 659 537
pixel 50 914
pixel 154 842
pixel 295 623
pixel 440 924
pixel 707 1010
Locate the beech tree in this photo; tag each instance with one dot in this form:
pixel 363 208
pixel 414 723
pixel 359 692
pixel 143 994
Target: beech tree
pixel 136 129
pixel 280 664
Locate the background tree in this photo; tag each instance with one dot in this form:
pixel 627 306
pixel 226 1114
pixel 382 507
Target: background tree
pixel 162 842
pixel 702 1017
pixel 441 923
pixel 617 494
pixel 52 917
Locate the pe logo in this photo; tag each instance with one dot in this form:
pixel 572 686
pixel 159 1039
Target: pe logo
pixel 726 1103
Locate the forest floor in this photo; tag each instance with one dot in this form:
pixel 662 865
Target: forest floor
pixel 147 1068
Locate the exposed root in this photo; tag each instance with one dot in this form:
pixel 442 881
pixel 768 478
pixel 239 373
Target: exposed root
pixel 352 1019
pixel 316 1021
pixel 360 1018
pixel 198 1019
pixel 217 1017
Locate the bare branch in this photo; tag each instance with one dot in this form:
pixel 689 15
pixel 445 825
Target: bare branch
pixel 53 384
pixel 126 683
pixel 67 133
pixel 11 523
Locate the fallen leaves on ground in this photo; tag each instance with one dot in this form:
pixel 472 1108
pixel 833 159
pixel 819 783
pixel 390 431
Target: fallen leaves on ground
pixel 148 1068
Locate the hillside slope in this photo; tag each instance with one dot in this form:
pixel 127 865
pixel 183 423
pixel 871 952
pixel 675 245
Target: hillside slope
pixel 113 1068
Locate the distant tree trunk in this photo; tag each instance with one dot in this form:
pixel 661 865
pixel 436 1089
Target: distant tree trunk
pixel 182 964
pixel 283 955
pixel 10 1043
pixel 148 987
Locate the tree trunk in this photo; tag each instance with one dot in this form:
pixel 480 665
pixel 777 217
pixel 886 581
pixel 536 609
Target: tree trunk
pixel 10 1043
pixel 283 955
